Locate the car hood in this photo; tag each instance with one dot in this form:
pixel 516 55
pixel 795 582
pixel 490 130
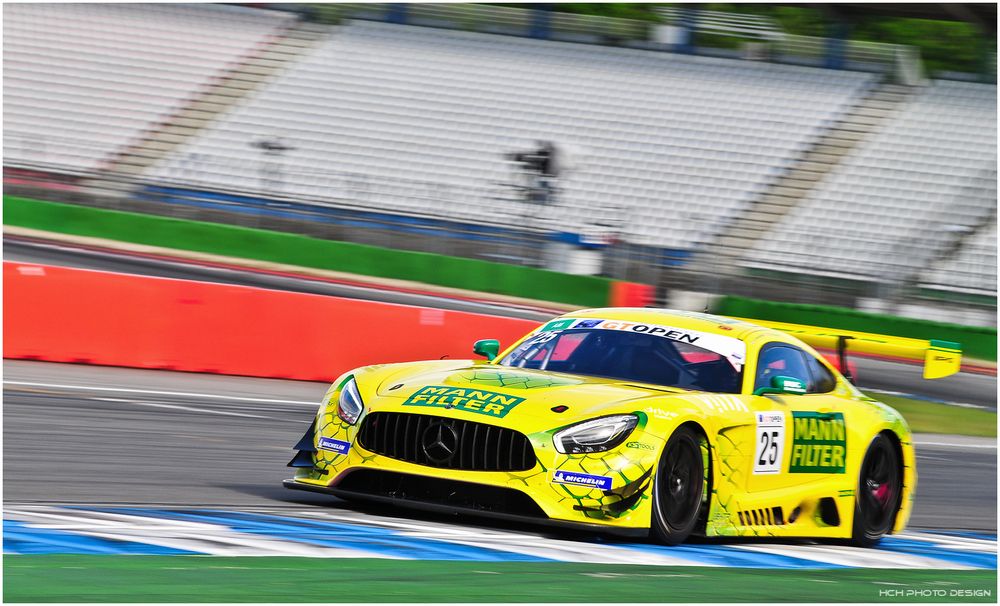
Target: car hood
pixel 489 393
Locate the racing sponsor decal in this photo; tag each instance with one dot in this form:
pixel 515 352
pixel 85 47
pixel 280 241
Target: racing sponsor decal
pixel 724 403
pixel 479 401
pixel 770 442
pixel 659 413
pixel 819 443
pixel 730 348
pixel 793 386
pixel 639 446
pixel 557 325
pixel 581 479
pixel 337 446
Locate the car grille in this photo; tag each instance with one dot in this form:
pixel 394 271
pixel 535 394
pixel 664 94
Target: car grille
pixel 427 440
pixel 440 491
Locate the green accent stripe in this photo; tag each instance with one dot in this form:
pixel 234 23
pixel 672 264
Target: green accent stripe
pixel 294 249
pixel 946 346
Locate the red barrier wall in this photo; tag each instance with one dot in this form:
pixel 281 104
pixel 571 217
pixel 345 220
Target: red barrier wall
pixel 631 294
pixel 73 315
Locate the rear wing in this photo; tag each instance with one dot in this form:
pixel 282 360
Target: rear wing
pixel 940 358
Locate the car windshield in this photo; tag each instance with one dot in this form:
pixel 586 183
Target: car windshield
pixel 627 356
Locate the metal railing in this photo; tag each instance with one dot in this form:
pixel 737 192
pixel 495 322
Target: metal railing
pixel 733 35
pixel 522 239
pixel 489 19
pixel 739 25
pixel 901 61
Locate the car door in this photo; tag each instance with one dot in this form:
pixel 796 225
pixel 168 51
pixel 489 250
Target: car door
pixel 797 437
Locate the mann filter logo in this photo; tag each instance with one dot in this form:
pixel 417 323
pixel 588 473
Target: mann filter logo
pixel 819 443
pixel 470 400
pixel 582 479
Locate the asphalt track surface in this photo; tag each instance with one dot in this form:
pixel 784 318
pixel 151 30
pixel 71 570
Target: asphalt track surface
pixel 81 435
pixel 968 388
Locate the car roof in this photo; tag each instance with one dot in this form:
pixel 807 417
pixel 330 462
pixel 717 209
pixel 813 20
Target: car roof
pixel 690 320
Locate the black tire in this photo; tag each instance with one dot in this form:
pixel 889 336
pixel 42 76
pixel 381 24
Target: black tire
pixel 679 488
pixel 880 488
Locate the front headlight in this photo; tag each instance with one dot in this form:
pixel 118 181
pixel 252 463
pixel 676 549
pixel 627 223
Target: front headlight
pixel 597 435
pixel 349 406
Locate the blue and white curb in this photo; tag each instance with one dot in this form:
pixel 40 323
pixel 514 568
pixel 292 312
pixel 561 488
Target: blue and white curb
pixel 328 533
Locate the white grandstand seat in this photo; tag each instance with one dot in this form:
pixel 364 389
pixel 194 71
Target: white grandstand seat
pixel 881 212
pixel 972 270
pixel 667 143
pixel 83 80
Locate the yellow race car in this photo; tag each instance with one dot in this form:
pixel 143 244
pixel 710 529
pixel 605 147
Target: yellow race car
pixel 631 421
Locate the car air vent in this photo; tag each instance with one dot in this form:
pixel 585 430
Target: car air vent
pixel 761 517
pixel 828 511
pixel 439 491
pixel 446 443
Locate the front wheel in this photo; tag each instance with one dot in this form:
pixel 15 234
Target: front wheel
pixel 679 488
pixel 880 488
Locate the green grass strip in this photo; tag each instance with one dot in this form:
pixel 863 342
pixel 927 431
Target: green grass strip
pixel 102 578
pixel 304 251
pixel 931 417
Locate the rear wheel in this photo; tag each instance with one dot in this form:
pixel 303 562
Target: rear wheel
pixel 880 488
pixel 679 487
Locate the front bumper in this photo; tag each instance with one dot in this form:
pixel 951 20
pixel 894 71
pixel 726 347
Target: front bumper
pixel 331 460
pixel 437 507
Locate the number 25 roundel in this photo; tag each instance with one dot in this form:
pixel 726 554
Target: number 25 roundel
pixel 770 442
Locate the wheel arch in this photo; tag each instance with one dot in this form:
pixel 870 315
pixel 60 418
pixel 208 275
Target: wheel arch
pixel 710 471
pixel 860 535
pixel 897 446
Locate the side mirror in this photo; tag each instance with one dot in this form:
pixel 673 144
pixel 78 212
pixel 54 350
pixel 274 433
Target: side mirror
pixel 782 384
pixel 488 348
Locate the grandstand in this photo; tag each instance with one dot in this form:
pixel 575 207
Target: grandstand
pixel 673 151
pixel 83 80
pixel 889 207
pixel 671 144
pixel 972 269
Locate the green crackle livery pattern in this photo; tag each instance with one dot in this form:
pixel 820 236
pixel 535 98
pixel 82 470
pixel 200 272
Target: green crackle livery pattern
pixel 631 465
pixel 332 426
pixel 594 502
pixel 628 465
pixel 731 460
pixel 513 380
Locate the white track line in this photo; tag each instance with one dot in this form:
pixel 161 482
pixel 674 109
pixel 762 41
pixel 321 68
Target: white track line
pixel 161 393
pixel 571 551
pixel 911 396
pixel 201 410
pixel 855 557
pixel 524 543
pixel 956 446
pixel 953 542
pixel 219 539
pixel 211 539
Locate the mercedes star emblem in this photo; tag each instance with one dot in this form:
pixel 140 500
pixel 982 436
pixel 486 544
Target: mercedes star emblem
pixel 440 443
